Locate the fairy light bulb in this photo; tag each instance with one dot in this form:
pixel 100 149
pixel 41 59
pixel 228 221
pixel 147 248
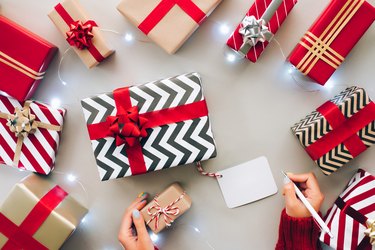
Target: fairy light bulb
pixel 224 29
pixel 56 103
pixel 129 37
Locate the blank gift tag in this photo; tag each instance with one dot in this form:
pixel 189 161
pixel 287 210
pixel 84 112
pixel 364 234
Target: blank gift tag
pixel 247 182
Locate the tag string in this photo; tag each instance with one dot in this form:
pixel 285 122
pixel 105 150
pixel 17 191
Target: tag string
pixel 209 174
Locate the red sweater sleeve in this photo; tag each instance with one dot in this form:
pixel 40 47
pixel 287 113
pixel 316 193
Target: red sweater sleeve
pixel 297 233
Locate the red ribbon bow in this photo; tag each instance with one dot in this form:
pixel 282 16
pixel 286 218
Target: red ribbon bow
pixel 80 34
pixel 127 127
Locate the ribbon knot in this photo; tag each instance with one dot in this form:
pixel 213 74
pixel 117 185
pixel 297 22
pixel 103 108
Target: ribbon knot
pixel 80 34
pixel 370 231
pixel 253 31
pixel 166 212
pixel 22 122
pixel 127 127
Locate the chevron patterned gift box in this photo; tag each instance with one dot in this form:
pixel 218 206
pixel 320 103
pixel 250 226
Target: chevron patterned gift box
pixel 339 130
pixel 158 125
pixel 351 219
pixel 29 134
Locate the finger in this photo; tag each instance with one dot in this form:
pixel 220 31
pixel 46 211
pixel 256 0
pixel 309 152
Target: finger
pixel 308 178
pixel 139 224
pixel 290 195
pixel 142 196
pixel 126 226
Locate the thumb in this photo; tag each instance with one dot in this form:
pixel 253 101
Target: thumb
pixel 139 224
pixel 290 195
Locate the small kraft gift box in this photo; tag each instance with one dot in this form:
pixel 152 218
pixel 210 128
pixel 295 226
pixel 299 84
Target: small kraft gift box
pixel 29 134
pixel 330 39
pixel 257 28
pixel 81 32
pixel 38 215
pixel 339 130
pixel 154 126
pixel 169 23
pixel 166 207
pixel 351 219
pixel 24 59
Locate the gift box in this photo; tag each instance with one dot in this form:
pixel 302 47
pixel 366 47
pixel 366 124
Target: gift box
pixel 330 39
pixel 29 134
pixel 38 215
pixel 166 207
pixel 158 125
pixel 239 38
pixel 24 59
pixel 169 23
pixel 339 130
pixel 351 218
pixel 81 32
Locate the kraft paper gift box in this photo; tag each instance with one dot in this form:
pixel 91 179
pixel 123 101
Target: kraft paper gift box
pixel 237 40
pixel 169 23
pixel 351 219
pixel 330 39
pixel 166 207
pixel 339 130
pixel 24 58
pixel 81 32
pixel 38 215
pixel 29 134
pixel 154 126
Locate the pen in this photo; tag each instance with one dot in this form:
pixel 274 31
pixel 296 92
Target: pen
pixel 312 211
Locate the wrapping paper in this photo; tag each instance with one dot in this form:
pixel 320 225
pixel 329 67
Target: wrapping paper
pixel 349 217
pixel 330 39
pixel 175 202
pixel 69 11
pixel 167 143
pixel 42 215
pixel 257 9
pixel 169 23
pixel 339 130
pixel 24 58
pixel 38 150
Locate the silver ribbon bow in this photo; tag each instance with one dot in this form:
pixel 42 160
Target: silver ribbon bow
pixel 253 31
pixel 370 231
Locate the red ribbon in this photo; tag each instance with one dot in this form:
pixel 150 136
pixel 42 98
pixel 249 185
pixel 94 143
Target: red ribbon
pixel 146 120
pixel 21 237
pixel 164 7
pixel 344 130
pixel 70 22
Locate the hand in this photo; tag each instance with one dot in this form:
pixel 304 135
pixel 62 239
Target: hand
pixel 137 239
pixel 309 187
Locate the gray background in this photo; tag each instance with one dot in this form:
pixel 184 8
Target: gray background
pixel 252 107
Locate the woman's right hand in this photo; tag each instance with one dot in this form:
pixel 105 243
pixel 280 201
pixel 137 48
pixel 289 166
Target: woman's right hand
pixel 309 187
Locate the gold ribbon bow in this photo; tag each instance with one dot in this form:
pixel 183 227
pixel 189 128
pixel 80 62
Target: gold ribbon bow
pixel 370 231
pixel 23 123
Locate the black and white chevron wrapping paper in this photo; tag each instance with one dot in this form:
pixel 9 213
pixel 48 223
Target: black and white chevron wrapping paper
pixel 315 126
pixel 165 146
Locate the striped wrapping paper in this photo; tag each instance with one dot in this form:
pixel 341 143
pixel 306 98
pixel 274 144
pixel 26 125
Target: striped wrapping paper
pixel 349 233
pixel 39 149
pixel 257 9
pixel 166 146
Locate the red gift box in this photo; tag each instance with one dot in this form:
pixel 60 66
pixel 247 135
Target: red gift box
pixel 330 39
pixel 257 9
pixel 24 58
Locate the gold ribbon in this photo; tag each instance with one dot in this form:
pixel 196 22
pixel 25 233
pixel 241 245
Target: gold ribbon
pixel 320 46
pixel 11 62
pixel 23 123
pixel 370 231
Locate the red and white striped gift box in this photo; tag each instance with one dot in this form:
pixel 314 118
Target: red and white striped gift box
pixel 348 216
pixel 235 41
pixel 39 149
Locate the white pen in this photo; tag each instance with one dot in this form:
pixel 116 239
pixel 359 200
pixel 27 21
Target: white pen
pixel 312 211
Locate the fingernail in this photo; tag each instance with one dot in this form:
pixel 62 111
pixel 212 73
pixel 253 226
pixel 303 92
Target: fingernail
pixel 286 180
pixel 136 214
pixel 143 194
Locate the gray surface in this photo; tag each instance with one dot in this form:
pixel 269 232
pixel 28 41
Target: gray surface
pixel 252 107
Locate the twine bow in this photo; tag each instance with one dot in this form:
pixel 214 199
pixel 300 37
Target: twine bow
pixel 23 123
pixel 80 34
pixel 127 127
pixel 166 212
pixel 253 31
pixel 370 231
